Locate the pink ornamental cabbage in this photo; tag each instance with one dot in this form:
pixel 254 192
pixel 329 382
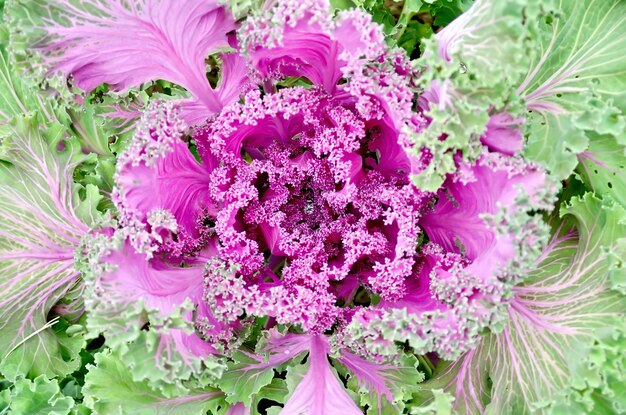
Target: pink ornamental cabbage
pixel 281 199
pixel 301 197
pixel 282 209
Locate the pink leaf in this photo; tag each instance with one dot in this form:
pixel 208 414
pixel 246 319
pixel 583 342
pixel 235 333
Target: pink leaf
pixel 126 44
pixel 320 392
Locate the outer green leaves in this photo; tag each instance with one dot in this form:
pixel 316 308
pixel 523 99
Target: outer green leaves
pixel 599 378
pixel 445 11
pixel 110 389
pixel 577 84
pixel 245 378
pixel 409 8
pixel 39 397
pixel 470 70
pixel 559 64
pixel 40 227
pixel 564 320
pixel 16 99
pixel 250 373
pixel 440 405
pixel 603 166
pixel 383 388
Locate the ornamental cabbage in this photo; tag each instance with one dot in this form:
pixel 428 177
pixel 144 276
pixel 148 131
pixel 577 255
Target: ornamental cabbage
pixel 312 207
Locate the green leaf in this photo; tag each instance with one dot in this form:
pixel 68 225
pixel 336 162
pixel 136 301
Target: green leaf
pixel 40 229
pixel 241 8
pixel 440 405
pixel 445 11
pixel 24 20
pixel 149 351
pixel 275 391
pixel 382 13
pixel 603 167
pixel 341 4
pixel 541 143
pixel 90 128
pixel 110 389
pixel 559 64
pixel 16 98
pixel 5 401
pixel 599 378
pixel 414 33
pixel 400 377
pixel 39 397
pixel 249 373
pixel 563 318
pixel 578 84
pixel 80 409
pixel 244 378
pixel 32 94
pixel 87 211
pixel 163 367
pixel 476 63
pixel 409 8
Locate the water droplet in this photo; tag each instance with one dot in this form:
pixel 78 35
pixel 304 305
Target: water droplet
pixel 287 352
pixel 463 68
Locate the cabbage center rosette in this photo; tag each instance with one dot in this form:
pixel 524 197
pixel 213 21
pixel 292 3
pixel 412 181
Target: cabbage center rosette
pixel 306 213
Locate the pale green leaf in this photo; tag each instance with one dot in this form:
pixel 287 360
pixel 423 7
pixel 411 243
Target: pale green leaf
pixel 110 390
pixel 39 397
pixel 603 167
pixel 245 378
pixel 440 405
pixel 39 231
pixel 563 313
pixel 578 82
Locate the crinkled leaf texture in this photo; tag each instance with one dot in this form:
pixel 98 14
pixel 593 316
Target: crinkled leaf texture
pixel 558 64
pixel 16 98
pixel 314 387
pixel 577 84
pixel 483 236
pixel 603 166
pixel 250 373
pixel 135 293
pixel 42 220
pixel 39 396
pixel 562 321
pixel 384 388
pixel 441 404
pixel 464 84
pixel 127 289
pixel 110 390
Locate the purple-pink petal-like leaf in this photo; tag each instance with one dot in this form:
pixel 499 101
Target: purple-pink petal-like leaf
pixel 320 392
pixel 125 44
